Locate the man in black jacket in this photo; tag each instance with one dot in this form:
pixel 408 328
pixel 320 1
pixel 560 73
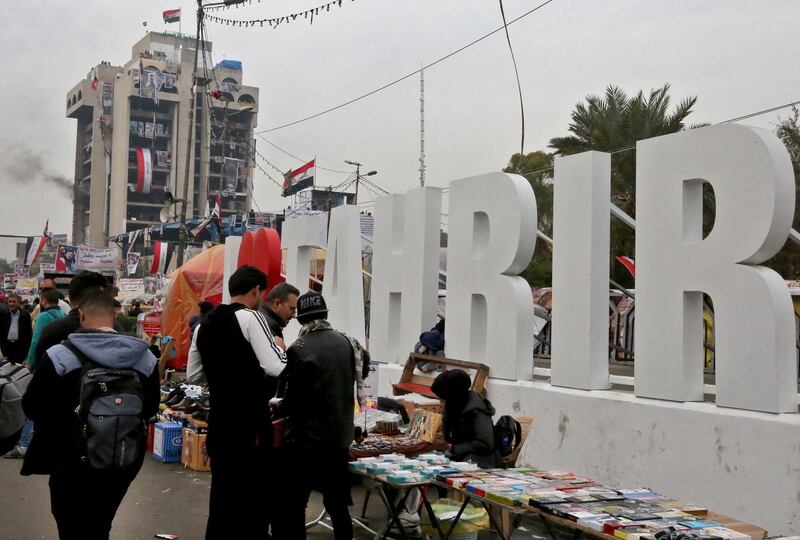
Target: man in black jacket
pixel 279 308
pixel 57 331
pixel 84 500
pixel 233 349
pixel 16 330
pixel 320 374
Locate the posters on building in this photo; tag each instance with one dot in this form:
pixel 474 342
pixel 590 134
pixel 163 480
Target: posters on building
pixel 92 258
pixel 133 262
pixel 22 270
pixel 108 98
pixel 66 259
pixel 163 158
pixel 230 171
pixel 149 130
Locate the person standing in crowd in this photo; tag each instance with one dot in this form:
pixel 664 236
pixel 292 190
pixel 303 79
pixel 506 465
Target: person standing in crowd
pixel 51 311
pixel 135 309
pixel 84 499
pixel 44 285
pixel 205 309
pixel 233 349
pixel 467 423
pixel 58 331
pixel 16 330
pixel 280 308
pixel 320 374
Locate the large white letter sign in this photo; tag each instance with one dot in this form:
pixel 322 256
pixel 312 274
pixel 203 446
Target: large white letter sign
pixel 230 264
pixel 301 235
pixel 492 227
pixel 751 175
pixel 405 265
pixel 581 236
pixel 343 286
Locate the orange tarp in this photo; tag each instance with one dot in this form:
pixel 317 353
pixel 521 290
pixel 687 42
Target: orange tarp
pixel 198 279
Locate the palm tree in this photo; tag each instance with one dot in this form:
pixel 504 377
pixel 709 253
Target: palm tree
pixel 613 123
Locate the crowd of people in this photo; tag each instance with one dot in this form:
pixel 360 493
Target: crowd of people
pixel 281 417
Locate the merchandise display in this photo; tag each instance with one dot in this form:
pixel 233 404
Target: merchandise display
pixel 629 514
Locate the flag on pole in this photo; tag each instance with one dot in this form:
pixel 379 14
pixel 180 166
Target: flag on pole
pixel 299 179
pixel 144 170
pixel 628 263
pixel 33 247
pixel 172 15
pixel 214 217
pixel 162 253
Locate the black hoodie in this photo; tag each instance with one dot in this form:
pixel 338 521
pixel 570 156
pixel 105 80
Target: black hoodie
pixel 468 422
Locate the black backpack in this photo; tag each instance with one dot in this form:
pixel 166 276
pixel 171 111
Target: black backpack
pixel 507 435
pixel 111 428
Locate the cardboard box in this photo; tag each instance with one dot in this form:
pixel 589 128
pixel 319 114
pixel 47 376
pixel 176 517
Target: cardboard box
pixel 167 442
pixel 194 454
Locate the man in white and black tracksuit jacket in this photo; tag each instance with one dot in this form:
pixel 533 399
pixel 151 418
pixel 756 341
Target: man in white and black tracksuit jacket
pixel 235 352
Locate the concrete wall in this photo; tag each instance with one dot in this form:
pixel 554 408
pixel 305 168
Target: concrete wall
pixel 740 463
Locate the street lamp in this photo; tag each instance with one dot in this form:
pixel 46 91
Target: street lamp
pixel 359 176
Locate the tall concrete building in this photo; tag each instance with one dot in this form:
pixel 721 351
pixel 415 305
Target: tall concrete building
pixel 132 138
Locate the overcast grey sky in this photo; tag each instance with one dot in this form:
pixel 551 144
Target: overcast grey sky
pixel 736 56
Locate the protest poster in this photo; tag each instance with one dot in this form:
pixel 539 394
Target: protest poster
pixel 93 258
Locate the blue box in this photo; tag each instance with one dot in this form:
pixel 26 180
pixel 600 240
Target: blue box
pixel 167 442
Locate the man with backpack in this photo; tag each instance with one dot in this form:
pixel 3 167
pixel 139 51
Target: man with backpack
pixel 90 397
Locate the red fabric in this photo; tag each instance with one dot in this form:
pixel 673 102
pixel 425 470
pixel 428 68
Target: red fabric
pixel 300 170
pixel 415 388
pixel 628 263
pixel 139 170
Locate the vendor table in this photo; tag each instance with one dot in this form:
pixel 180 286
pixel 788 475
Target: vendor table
pixel 579 531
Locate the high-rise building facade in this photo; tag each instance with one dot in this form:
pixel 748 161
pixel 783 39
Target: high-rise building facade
pixel 132 138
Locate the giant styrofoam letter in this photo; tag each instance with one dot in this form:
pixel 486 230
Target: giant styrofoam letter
pixel 301 236
pixel 405 267
pixel 492 236
pixel 581 236
pixel 343 286
pixel 751 175
pixel 230 264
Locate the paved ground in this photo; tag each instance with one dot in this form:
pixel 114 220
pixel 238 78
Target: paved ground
pixel 162 499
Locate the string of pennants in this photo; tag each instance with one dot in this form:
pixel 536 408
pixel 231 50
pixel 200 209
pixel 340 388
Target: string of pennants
pixel 274 22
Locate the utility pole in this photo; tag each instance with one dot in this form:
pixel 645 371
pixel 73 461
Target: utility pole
pixel 422 128
pixel 358 174
pixel 182 236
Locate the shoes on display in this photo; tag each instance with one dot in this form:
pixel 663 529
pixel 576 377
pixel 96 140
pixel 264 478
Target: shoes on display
pixel 175 399
pixel 18 452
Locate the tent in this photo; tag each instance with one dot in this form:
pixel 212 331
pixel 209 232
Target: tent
pixel 198 279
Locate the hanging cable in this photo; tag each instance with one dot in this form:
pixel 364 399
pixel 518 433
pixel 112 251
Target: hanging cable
pixel 404 77
pixel 298 158
pixel 519 86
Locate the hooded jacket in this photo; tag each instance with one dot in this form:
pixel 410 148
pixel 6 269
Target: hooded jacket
pixel 467 421
pixel 54 392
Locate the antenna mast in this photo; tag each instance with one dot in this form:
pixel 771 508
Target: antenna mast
pixel 422 128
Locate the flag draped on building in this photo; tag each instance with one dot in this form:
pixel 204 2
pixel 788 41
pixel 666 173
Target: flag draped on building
pixel 300 178
pixel 628 263
pixel 33 247
pixel 144 170
pixel 162 253
pixel 172 15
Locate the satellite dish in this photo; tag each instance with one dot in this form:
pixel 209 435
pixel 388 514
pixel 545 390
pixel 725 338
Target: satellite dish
pixel 164 215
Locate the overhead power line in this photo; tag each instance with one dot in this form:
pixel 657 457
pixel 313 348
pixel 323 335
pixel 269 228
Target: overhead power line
pixel 299 158
pixel 413 73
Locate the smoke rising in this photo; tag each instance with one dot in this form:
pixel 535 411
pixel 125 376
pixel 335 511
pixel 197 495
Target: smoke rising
pixel 23 166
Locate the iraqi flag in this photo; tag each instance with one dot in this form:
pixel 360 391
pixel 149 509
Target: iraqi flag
pixel 214 217
pixel 628 263
pixel 299 179
pixel 162 253
pixel 144 170
pixel 33 247
pixel 172 15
